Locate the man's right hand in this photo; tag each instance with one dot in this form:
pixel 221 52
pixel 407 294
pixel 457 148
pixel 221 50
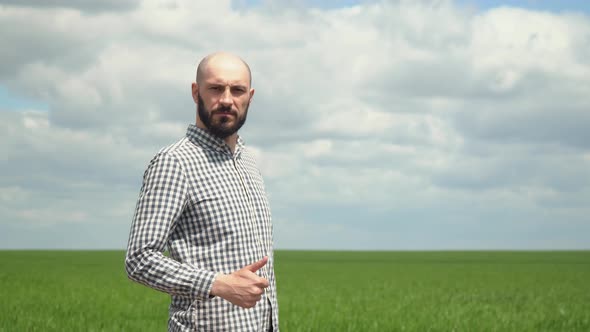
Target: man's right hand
pixel 242 287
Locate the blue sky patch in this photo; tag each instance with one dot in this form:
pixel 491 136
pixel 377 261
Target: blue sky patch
pixel 545 5
pixel 9 101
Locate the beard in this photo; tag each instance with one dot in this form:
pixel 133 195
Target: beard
pixel 221 127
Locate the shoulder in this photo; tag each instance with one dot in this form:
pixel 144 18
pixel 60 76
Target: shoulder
pixel 250 154
pixel 175 149
pixel 170 155
pixel 183 151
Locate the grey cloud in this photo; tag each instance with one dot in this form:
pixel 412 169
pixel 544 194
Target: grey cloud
pixel 501 166
pixel 139 108
pixel 535 123
pixel 276 120
pixel 451 78
pixel 91 216
pixel 100 234
pixel 87 6
pixel 571 201
pixel 420 79
pixel 41 158
pixel 40 43
pixel 51 45
pixel 454 77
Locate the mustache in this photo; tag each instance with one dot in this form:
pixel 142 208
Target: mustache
pixel 225 109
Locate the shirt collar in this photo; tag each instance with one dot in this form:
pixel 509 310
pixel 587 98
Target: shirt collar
pixel 205 139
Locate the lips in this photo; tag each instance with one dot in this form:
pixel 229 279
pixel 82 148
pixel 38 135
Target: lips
pixel 225 112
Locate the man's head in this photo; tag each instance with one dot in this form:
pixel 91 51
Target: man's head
pixel 222 93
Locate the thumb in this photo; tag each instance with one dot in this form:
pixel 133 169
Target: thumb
pixel 258 265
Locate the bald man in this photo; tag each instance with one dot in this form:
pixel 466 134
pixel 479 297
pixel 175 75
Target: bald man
pixel 203 200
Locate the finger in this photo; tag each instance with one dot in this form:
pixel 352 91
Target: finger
pixel 263 283
pixel 258 265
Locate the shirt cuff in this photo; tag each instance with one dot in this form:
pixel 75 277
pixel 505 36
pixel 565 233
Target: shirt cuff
pixel 204 284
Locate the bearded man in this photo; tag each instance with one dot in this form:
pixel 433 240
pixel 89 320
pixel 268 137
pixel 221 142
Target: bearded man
pixel 203 200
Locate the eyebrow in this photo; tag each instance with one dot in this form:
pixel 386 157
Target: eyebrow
pixel 231 85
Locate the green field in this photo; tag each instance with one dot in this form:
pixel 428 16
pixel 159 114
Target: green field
pixel 318 291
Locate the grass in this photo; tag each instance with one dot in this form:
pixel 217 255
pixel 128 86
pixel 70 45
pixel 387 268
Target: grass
pixel 318 291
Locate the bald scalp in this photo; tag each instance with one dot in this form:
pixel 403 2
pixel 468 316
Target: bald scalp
pixel 202 67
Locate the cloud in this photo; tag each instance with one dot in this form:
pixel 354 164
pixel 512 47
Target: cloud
pixel 410 124
pixel 86 6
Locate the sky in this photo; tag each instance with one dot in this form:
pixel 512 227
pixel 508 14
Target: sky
pixel 377 125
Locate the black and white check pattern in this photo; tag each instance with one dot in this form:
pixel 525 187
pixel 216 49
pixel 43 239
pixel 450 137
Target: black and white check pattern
pixel 209 209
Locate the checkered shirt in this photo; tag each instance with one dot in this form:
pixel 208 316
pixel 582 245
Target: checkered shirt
pixel 207 206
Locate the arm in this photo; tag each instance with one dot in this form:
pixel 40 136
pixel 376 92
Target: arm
pixel 163 197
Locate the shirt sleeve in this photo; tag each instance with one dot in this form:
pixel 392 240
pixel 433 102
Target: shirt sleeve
pixel 162 199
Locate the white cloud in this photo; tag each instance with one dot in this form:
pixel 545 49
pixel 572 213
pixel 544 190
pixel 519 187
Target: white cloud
pixel 517 40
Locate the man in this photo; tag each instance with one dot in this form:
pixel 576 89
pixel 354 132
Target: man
pixel 203 200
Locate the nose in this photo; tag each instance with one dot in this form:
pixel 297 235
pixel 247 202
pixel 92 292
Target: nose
pixel 226 99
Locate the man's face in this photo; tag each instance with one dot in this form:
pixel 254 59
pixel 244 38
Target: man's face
pixel 222 121
pixel 223 96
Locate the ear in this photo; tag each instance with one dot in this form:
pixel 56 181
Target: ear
pixel 195 92
pixel 251 93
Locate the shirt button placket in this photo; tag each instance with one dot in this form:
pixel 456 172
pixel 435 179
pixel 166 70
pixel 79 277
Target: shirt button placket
pixel 250 212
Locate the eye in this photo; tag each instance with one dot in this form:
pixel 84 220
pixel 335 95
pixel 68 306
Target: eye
pixel 238 90
pixel 216 88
